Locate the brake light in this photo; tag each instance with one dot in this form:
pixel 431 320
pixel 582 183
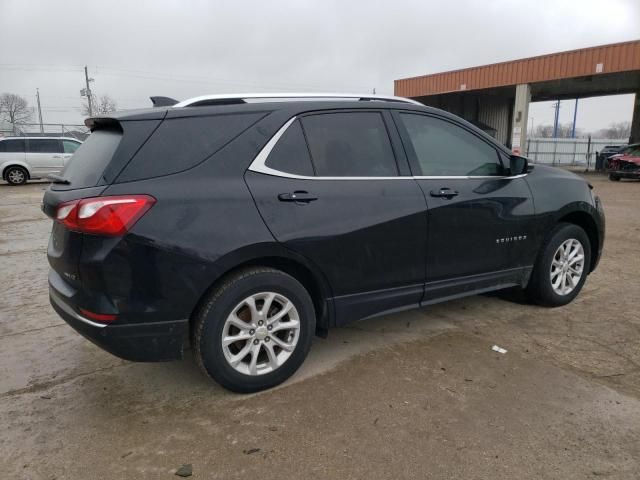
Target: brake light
pixel 109 216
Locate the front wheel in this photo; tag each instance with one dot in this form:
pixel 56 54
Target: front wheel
pixel 254 330
pixel 562 266
pixel 614 178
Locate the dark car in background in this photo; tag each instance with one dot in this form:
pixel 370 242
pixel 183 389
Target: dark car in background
pixel 244 225
pixel 602 158
pixel 625 164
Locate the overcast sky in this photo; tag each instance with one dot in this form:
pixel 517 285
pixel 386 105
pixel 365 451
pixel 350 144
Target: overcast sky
pixel 184 48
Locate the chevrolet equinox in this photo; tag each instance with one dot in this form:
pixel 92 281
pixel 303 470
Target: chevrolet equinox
pixel 244 225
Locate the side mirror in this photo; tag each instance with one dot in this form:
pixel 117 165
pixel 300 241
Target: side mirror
pixel 518 165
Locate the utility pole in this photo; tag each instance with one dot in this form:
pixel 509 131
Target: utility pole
pixel 531 128
pixel 88 91
pixel 39 110
pixel 555 121
pixel 575 114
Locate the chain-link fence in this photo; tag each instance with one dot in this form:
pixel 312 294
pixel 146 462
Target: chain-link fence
pixel 77 131
pixel 567 151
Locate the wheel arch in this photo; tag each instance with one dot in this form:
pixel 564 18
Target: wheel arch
pixel 279 258
pixel 585 221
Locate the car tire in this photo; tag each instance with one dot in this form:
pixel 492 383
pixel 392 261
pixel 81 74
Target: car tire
pixel 547 285
pixel 233 365
pixel 16 175
pixel 614 178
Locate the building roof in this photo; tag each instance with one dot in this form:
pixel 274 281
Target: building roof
pixel 593 61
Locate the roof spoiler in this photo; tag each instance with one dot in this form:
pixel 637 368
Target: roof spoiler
pixel 163 101
pixel 94 123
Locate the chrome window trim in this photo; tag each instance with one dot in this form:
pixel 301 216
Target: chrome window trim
pixel 295 96
pixel 259 166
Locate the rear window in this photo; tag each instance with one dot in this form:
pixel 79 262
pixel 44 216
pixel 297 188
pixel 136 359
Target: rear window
pixel 12 146
pixel 88 162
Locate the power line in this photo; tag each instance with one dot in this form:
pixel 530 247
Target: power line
pixel 198 79
pixel 149 75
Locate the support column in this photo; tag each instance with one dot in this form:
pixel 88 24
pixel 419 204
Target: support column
pixel 635 121
pixel 520 118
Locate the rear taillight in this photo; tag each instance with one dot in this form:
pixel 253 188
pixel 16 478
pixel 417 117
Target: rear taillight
pixel 110 216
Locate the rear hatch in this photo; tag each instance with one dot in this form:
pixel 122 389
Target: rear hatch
pixel 125 149
pixel 107 150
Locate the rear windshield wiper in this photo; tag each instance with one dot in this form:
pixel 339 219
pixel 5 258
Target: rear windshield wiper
pixel 58 179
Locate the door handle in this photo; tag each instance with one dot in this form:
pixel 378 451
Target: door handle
pixel 57 156
pixel 444 192
pixel 299 196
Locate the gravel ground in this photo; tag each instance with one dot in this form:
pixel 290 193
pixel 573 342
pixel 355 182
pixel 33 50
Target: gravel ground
pixel 413 395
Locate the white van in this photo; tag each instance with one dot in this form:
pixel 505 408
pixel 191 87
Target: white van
pixel 26 158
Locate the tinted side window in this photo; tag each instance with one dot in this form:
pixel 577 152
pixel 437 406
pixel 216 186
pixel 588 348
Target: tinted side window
pixel 350 145
pixel 12 146
pixel 69 146
pixel 291 155
pixel 44 145
pixel 443 148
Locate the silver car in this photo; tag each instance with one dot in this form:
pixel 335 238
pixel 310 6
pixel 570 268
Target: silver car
pixel 26 158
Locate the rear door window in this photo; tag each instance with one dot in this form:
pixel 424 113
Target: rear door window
pixel 44 145
pixel 291 155
pixel 350 144
pixel 12 146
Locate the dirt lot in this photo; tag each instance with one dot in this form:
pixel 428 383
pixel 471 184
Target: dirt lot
pixel 415 395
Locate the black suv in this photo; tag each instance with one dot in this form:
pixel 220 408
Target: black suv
pixel 245 225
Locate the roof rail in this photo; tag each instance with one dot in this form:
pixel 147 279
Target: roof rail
pixel 234 98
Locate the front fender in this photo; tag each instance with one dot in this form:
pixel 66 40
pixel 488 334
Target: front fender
pixel 560 195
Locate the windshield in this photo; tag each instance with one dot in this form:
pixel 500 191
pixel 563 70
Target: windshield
pixel 632 150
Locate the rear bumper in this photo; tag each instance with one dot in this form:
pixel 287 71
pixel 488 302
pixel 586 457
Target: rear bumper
pixel 139 342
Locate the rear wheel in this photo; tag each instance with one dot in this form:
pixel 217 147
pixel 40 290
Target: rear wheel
pixel 16 175
pixel 561 268
pixel 254 330
pixel 614 178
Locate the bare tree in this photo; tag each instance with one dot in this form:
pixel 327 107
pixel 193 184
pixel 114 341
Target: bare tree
pixel 15 110
pixel 99 105
pixel 543 131
pixel 564 131
pixel 618 130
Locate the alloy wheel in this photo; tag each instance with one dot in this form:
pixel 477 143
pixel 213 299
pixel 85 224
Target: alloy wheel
pixel 260 333
pixel 567 267
pixel 15 176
